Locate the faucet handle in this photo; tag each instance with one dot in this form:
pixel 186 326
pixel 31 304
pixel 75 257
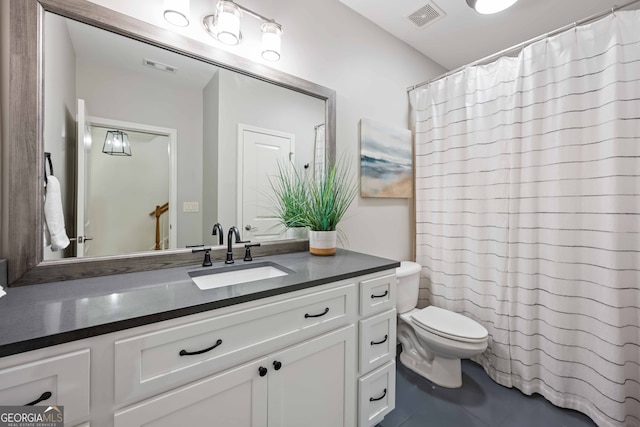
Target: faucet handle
pixel 207 256
pixel 247 252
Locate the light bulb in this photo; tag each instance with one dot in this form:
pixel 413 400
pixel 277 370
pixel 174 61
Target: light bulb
pixel 228 24
pixel 271 41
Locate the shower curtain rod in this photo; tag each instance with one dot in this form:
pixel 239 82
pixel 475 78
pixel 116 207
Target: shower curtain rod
pixel 524 44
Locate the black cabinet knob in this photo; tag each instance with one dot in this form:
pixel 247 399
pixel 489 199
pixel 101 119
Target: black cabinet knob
pixel 277 365
pixel 262 371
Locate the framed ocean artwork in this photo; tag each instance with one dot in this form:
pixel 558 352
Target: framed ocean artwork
pixel 386 166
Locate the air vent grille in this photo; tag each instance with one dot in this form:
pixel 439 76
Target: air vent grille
pixel 159 65
pixel 427 14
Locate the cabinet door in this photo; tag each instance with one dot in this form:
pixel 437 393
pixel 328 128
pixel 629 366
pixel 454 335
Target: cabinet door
pixel 237 397
pixel 313 384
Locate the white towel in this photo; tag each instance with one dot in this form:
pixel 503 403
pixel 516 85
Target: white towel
pixel 54 216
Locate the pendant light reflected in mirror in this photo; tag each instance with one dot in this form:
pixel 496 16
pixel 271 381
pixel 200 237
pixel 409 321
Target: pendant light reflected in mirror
pixel 116 143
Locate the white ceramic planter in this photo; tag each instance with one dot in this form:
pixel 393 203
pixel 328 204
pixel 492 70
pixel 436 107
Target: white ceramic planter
pixel 322 243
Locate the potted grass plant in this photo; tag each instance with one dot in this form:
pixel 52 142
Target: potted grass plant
pixel 327 200
pixel 288 200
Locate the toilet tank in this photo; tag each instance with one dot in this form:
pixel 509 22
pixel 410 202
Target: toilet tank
pixel 408 286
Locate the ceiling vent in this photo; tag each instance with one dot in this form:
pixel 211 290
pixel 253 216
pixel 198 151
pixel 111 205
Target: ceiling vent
pixel 426 15
pixel 159 66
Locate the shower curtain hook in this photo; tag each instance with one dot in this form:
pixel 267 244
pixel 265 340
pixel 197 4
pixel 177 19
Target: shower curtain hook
pixel 613 11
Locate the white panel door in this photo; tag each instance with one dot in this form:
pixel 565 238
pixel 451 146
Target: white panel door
pixel 237 397
pixel 260 152
pixel 83 224
pixel 312 384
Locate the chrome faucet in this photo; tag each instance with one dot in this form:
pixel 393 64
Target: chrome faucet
pixel 233 230
pixel 217 230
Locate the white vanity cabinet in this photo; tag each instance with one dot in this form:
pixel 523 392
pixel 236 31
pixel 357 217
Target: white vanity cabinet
pixel 309 384
pixel 319 356
pixel 157 361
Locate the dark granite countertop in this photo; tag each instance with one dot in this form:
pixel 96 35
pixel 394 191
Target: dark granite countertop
pixel 38 316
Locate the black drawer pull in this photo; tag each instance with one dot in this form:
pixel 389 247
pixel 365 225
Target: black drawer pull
pixel 380 342
pixel 381 296
pixel 277 365
pixel 194 353
pixel 371 399
pixel 44 396
pixel 326 310
pixel 262 371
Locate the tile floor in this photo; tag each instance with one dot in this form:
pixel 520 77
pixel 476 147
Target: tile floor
pixel 480 402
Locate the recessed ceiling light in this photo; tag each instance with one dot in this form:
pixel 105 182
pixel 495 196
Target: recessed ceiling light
pixel 487 7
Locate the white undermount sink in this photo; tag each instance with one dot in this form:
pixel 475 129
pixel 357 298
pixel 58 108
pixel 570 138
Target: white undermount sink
pixel 226 276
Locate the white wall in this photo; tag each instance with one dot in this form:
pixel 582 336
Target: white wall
pixel 329 44
pixel 210 109
pixel 60 117
pixel 164 105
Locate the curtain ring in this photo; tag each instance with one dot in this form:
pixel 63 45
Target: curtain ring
pixel 613 11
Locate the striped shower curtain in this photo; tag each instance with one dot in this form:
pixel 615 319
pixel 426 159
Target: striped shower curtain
pixel 528 213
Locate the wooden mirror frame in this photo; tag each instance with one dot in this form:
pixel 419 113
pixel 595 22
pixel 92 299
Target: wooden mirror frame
pixel 22 198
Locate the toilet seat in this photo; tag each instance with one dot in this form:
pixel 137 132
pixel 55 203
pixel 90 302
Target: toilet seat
pixel 448 324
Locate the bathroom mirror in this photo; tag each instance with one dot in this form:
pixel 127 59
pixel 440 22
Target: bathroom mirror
pixel 195 132
pixel 201 170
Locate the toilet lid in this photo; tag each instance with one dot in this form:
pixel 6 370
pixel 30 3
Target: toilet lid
pixel 449 324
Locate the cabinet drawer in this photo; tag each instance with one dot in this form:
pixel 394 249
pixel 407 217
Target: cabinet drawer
pixel 65 377
pixel 154 362
pixel 378 294
pixel 377 340
pixel 377 395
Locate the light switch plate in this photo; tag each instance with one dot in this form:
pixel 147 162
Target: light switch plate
pixel 190 207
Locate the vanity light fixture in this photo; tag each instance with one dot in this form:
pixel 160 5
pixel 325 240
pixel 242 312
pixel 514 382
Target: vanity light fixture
pixel 116 143
pixel 176 12
pixel 224 26
pixel 487 7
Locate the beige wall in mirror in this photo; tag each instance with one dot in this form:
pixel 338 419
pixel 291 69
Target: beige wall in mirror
pixel 204 107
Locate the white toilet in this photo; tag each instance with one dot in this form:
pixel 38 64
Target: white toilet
pixel 433 339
